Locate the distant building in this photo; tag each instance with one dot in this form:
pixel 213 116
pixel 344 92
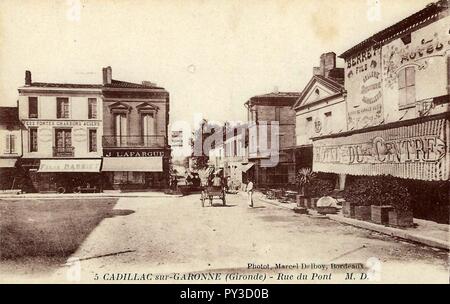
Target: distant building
pixel 62 134
pixel 10 147
pixel 135 134
pixel 231 156
pixel 262 109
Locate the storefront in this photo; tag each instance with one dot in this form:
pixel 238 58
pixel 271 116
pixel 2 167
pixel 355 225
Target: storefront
pixel 8 173
pixel 67 175
pixel 414 149
pixel 134 169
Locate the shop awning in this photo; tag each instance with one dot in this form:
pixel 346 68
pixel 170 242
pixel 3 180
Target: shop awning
pixel 134 164
pixel 7 162
pixel 70 165
pixel 247 167
pixel 419 151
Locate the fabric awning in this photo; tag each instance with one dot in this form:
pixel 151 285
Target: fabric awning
pixel 7 162
pixel 247 167
pixel 134 164
pixel 70 165
pixel 419 151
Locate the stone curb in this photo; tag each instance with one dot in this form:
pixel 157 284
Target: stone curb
pixel 400 233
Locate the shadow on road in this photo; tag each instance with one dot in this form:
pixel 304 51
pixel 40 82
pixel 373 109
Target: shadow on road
pixel 44 233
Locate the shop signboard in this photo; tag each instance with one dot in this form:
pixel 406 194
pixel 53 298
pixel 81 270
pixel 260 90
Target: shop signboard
pixel 419 151
pixel 132 152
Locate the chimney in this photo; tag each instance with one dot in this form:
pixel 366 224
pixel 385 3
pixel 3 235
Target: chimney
pixel 327 63
pixel 148 83
pixel 27 78
pixel 107 75
pixel 317 71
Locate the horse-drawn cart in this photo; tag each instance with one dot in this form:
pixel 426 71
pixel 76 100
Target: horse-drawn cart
pixel 212 192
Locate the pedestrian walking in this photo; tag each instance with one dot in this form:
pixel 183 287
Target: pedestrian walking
pixel 250 193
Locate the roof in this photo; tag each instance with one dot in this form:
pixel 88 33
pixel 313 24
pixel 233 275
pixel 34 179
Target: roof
pixel 327 82
pixel 65 85
pixel 279 98
pixel 425 15
pixel 278 94
pixel 9 115
pixel 130 85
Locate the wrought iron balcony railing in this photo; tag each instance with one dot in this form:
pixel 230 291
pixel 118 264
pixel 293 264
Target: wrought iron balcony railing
pixel 150 141
pixel 63 151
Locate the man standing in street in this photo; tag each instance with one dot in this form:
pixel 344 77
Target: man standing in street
pixel 250 193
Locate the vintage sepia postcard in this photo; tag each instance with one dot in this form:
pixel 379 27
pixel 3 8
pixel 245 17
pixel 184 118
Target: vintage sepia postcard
pixel 218 142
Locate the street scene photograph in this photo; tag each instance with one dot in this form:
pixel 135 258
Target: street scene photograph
pixel 224 142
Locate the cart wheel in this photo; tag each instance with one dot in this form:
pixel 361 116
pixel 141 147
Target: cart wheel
pixel 77 190
pixel 61 190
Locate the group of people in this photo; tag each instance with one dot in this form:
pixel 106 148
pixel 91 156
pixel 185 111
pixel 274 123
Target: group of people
pixel 214 180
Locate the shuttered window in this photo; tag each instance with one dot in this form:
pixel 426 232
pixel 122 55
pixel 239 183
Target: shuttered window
pixel 62 107
pixel 10 144
pixel 33 140
pixel 92 108
pixel 407 86
pixel 32 107
pixel 92 140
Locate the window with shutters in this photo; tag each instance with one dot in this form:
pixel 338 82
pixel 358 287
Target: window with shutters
pixel 32 107
pixel 10 145
pixel 33 140
pixel 62 107
pixel 92 140
pixel 407 87
pixel 277 114
pixel 92 108
pixel 63 143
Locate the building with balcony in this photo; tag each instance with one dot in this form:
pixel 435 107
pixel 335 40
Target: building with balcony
pixel 10 148
pixel 136 152
pixel 62 133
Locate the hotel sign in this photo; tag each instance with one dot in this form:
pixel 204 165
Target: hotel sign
pixel 420 151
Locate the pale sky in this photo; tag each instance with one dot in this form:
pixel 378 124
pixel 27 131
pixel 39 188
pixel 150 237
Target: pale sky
pixel 210 55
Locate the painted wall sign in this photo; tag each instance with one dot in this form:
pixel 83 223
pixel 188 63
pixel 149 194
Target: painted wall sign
pixel 426 43
pixel 364 92
pixel 61 123
pixel 176 139
pixel 420 151
pixel 132 153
